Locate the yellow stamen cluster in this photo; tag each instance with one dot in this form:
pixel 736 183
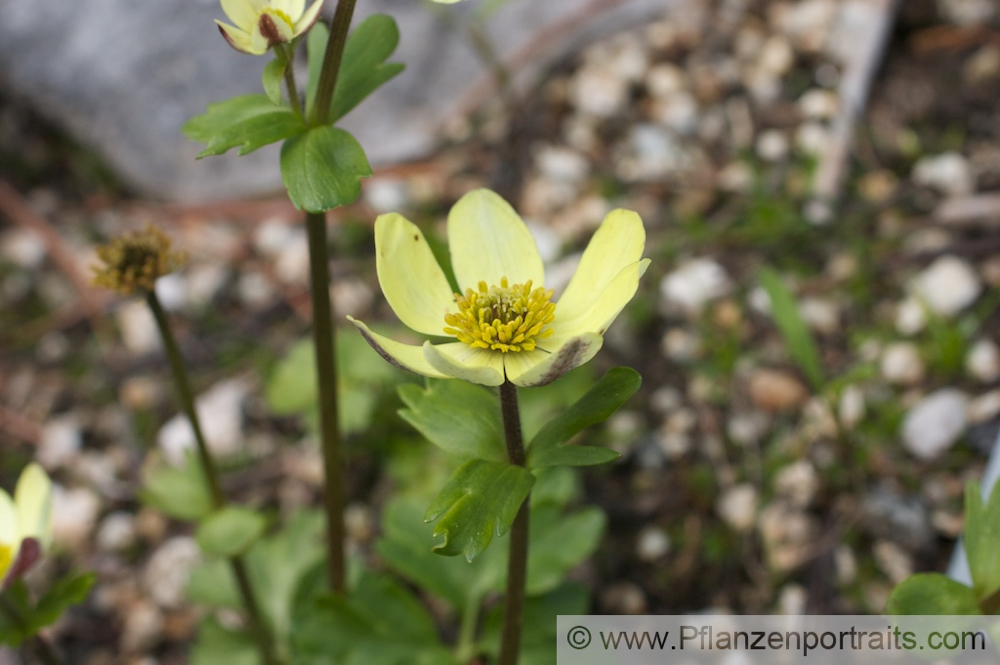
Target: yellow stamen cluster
pixel 134 261
pixel 6 558
pixel 503 318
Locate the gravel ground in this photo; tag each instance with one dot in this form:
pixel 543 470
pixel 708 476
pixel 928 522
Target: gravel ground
pixel 741 486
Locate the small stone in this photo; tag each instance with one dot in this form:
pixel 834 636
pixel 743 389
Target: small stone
pixel 846 564
pixel 255 290
pixel 387 194
pixel 842 266
pixel 695 283
pixel 948 285
pixel 665 399
pixel 654 153
pixel 664 80
pixel 143 627
pixel 736 177
pixel 562 164
pixel 949 173
pixel 819 104
pixel 798 482
pixel 652 544
pixel 273 234
pixel 598 91
pixel 749 428
pixel 935 423
pixel 204 281
pixel 737 507
pixel 983 361
pixel 789 536
pixel 140 392
pixel 984 408
pixel 151 525
pixel 60 442
pixel 851 408
pixel 678 112
pixel 166 575
pixel 968 12
pixel 792 600
pixel 359 522
pixel 776 57
pixel 893 560
pixel 772 145
pixel 291 265
pixel 681 345
pixel 902 364
pixel 623 598
pixel 910 316
pixel 878 186
pixel 220 410
pixel 117 532
pixel 172 291
pixel 812 138
pixel 351 297
pixel 806 23
pixel 74 514
pixel 23 247
pixel 776 391
pixel 982 66
pixel 138 327
pixel 820 314
pixel 624 55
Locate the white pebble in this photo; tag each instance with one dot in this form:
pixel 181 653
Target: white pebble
pixel 74 514
pixel 220 410
pixel 851 408
pixel 902 364
pixel 948 285
pixel 695 283
pixel 166 575
pixel 910 316
pixel 772 145
pixel 983 361
pixel 949 172
pixel 138 327
pixel 737 507
pixel 117 532
pixel 598 91
pixel 935 423
pixel 60 441
pixel 653 544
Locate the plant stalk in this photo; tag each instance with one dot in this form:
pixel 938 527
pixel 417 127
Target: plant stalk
pixel 41 646
pixel 339 27
pixel 517 564
pixel 258 628
pixel 287 55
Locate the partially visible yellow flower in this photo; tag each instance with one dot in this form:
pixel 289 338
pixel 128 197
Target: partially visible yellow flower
pixel 504 325
pixel 25 523
pixel 260 24
pixel 134 261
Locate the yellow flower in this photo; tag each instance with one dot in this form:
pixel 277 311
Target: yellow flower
pixel 25 523
pixel 504 325
pixel 260 24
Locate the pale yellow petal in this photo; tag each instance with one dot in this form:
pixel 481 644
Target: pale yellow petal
pixel 291 8
pixel 242 12
pixel 306 21
pixel 618 242
pixel 411 279
pixel 461 361
pixel 404 356
pixel 603 307
pixel 10 533
pixel 238 39
pixel 489 241
pixel 33 500
pixel 550 361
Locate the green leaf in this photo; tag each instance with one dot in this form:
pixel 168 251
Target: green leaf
pixel 982 539
pixel 180 492
pixel 459 418
pixel 799 340
pixel 538 639
pixel 12 633
pixel 316 40
pixel 322 169
pixel 363 68
pixel 549 445
pixel 931 593
pixel 274 73
pixel 481 499
pixel 230 531
pixel 248 122
pixel 62 595
pixel 212 584
pixel 560 542
pixel 216 644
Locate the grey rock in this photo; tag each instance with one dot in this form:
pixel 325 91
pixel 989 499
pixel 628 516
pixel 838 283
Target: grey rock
pixel 904 520
pixel 124 76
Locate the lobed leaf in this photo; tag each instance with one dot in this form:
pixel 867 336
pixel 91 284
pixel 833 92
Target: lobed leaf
pixel 230 531
pixel 459 418
pixel 322 169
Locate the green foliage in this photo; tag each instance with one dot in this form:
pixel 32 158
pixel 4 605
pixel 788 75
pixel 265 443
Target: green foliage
pixel 180 492
pixel 931 593
pixel 31 618
pixel 230 531
pixel 982 539
pixel 216 644
pixel 459 418
pixel 548 447
pixel 322 168
pixel 799 340
pixel 248 122
pixel 480 499
pixel 538 639
pixel 271 79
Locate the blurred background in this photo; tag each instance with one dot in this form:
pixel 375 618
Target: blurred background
pixel 850 149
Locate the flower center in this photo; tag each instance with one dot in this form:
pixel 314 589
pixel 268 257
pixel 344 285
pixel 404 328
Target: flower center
pixel 275 25
pixel 6 558
pixel 502 318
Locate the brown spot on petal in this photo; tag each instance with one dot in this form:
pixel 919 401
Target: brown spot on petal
pixel 379 350
pixel 27 555
pixel 268 29
pixel 568 358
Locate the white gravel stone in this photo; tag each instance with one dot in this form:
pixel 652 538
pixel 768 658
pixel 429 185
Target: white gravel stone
pixel 789 535
pixel 255 289
pixel 143 627
pixel 820 314
pixel 291 265
pixel 983 361
pixel 772 145
pixel 948 285
pixel 748 428
pixel 117 532
pixel 812 138
pixel 60 441
pixel 172 291
pixel 23 247
pixel 652 544
pixel 560 163
pixel 204 281
pixel 798 482
pixel 935 423
pixel 387 194
pixel 984 408
pixel 819 104
pixel 168 570
pixel 598 91
pixel 679 112
pixel 351 297
pixel 968 12
pixel 74 514
pixel 776 57
pixel 681 345
pixel 894 561
pixel 665 80
pixel 806 23
pixel 654 153
pixel 851 408
pixel 138 327
pixel 695 283
pixel 271 237
pixel 902 364
pixel 736 177
pixel 948 172
pixel 737 507
pixel 910 316
pixel 220 410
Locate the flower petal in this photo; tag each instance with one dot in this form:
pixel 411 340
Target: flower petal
pixel 306 21
pixel 238 39
pixel 603 307
pixel 461 361
pixel 537 368
pixel 411 279
pixel 488 241
pixel 10 533
pixel 403 356
pixel 243 12
pixel 618 242
pixel 33 500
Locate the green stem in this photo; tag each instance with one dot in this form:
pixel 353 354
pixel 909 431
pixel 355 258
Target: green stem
pixel 517 564
pixel 41 646
pixel 339 27
pixel 326 374
pixel 467 629
pixel 258 628
pixel 287 54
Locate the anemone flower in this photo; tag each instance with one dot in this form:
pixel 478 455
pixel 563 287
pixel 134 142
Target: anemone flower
pixel 25 523
pixel 261 24
pixel 504 325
